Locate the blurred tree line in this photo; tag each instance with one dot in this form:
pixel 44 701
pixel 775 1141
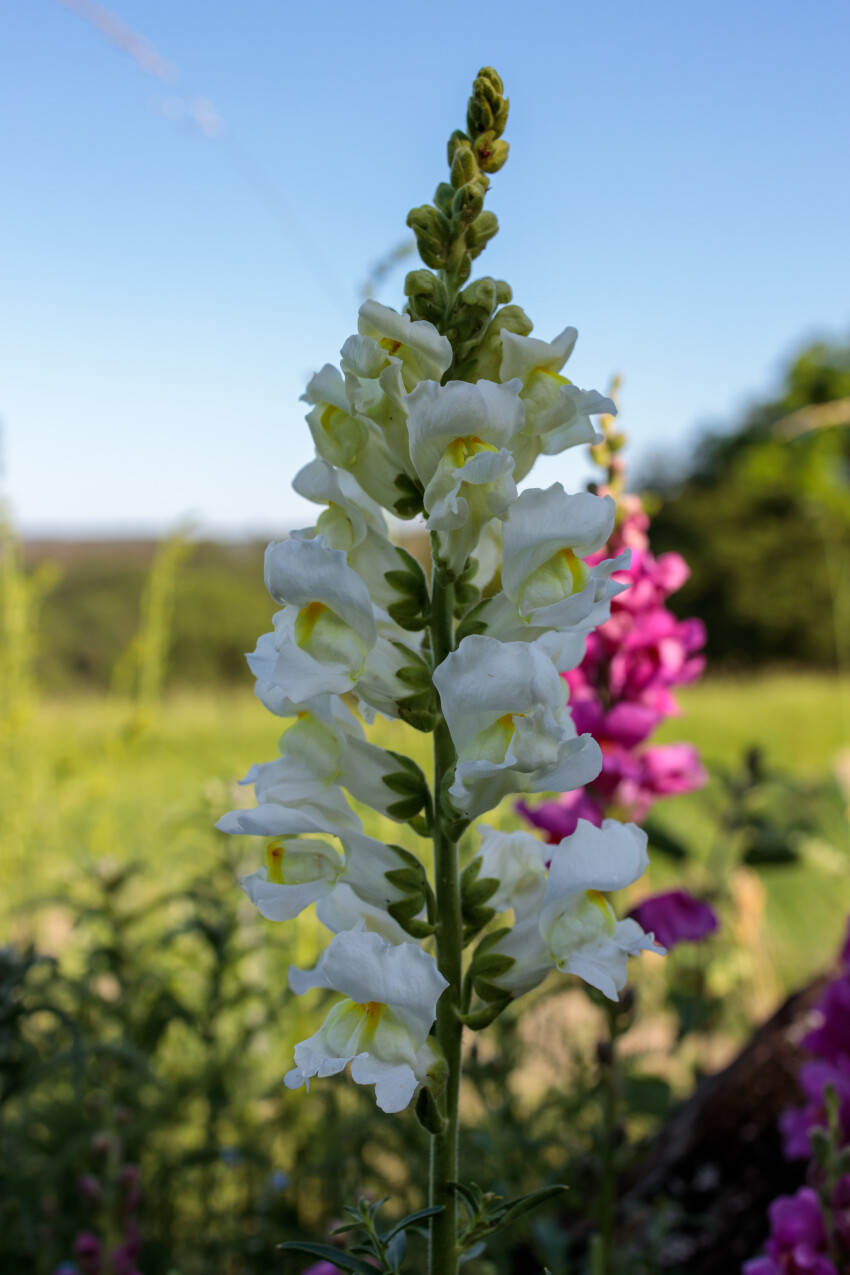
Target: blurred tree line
pixel 761 512
pixel 762 515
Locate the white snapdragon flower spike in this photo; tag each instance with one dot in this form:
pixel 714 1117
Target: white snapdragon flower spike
pixel 386 360
pixel 575 929
pixel 557 413
pixel 352 522
pixel 327 627
pixel 349 440
pixel 302 866
pixel 459 436
pixel 518 861
pixel 382 1027
pixel 505 706
pixel 325 745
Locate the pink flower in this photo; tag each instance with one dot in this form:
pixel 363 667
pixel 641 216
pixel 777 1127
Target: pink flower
pixel 89 1253
pixel 831 1038
pixel 676 917
pixel 559 819
pixel 796 1123
pixel 797 1238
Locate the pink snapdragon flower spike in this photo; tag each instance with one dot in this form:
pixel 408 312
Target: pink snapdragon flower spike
pixel 676 917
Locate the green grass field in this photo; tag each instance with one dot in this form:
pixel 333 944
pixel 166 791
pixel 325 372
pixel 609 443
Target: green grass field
pixel 79 788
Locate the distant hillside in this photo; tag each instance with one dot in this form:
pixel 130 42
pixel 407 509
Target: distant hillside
pixel 89 618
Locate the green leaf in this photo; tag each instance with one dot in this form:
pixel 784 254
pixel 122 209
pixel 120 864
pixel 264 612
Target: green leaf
pixel 412 1218
pixel 344 1261
pixel 525 1203
pixel 481 1018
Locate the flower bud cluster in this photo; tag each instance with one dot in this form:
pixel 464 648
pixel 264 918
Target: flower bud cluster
pixel 438 412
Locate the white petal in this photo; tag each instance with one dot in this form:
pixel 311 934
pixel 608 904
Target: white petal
pixel 605 859
pixel 300 572
pixel 395 1083
pixel 278 902
pixel 439 414
pixel 521 355
pixel 365 968
pixel 543 522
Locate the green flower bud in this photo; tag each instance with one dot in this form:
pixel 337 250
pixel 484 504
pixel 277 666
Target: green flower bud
pixel 491 152
pixel 488 107
pixel 467 205
pixel 489 356
pixel 482 229
pixel 443 196
pixel 432 234
pixel 504 292
pixel 464 167
pixel 426 295
pixel 457 139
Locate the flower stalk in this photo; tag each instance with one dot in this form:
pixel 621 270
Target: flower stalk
pixel 449 943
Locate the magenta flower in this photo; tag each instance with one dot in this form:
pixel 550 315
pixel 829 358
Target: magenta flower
pixel 841 1212
pixel 798 1238
pixel 831 1038
pixel 322 1268
pixel 675 917
pixel 88 1252
pixel 796 1123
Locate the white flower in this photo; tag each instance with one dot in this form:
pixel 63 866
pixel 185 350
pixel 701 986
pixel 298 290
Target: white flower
pixel 327 627
pixel 342 909
pixel 352 522
pixel 302 866
pixel 381 1028
pixel 517 860
pixel 505 706
pixel 575 929
pixel 324 746
pixel 459 436
pixel 557 413
pixel 546 584
pixel 349 440
pixel 389 357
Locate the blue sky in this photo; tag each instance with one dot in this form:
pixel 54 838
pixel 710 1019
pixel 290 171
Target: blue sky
pixel 677 189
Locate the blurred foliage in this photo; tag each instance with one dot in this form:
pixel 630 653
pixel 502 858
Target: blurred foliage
pixel 762 516
pixel 95 614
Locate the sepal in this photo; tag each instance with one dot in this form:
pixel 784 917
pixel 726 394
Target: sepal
pixel 475 890
pixel 428 1112
pixel 412 610
pixel 411 786
pixel 418 709
pixel 409 501
pixel 487 965
pixel 412 880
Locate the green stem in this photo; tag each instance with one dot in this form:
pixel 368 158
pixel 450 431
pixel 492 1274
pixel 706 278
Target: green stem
pixel 608 1184
pixel 444 1145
